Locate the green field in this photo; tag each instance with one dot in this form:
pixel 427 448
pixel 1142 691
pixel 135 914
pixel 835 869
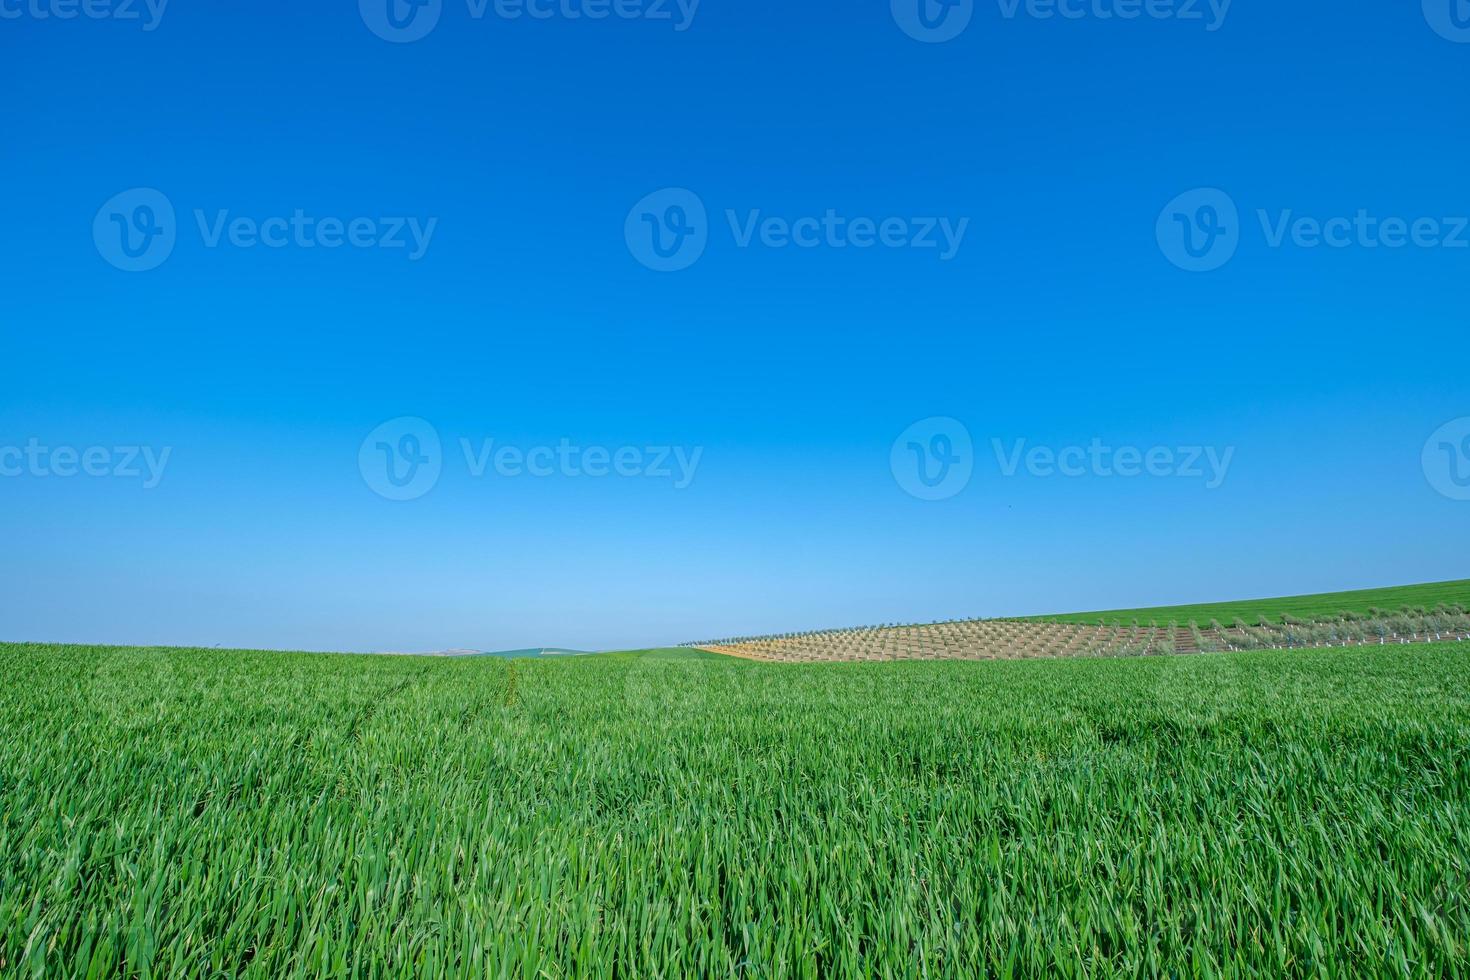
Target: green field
pixel 1304 607
pixel 223 814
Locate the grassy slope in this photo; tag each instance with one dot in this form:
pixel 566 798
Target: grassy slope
pixel 1302 607
pixel 193 812
pixel 673 653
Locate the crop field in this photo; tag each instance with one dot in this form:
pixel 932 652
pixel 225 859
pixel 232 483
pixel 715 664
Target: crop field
pixel 676 814
pixel 1423 613
pixel 1306 607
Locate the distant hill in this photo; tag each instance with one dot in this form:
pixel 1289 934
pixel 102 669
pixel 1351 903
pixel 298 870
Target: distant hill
pixel 530 652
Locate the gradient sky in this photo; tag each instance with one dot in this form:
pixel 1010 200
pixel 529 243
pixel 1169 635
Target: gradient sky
pixel 529 320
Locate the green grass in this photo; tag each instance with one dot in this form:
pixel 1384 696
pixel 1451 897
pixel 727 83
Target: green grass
pixel 674 653
pixel 1305 607
pixel 221 814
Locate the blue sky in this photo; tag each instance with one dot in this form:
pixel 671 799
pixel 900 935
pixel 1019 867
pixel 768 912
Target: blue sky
pixel 530 151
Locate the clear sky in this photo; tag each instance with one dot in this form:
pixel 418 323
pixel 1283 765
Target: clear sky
pixel 242 237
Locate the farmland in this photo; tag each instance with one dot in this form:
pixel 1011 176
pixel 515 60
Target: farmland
pixel 1411 614
pixel 1305 607
pixel 672 814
